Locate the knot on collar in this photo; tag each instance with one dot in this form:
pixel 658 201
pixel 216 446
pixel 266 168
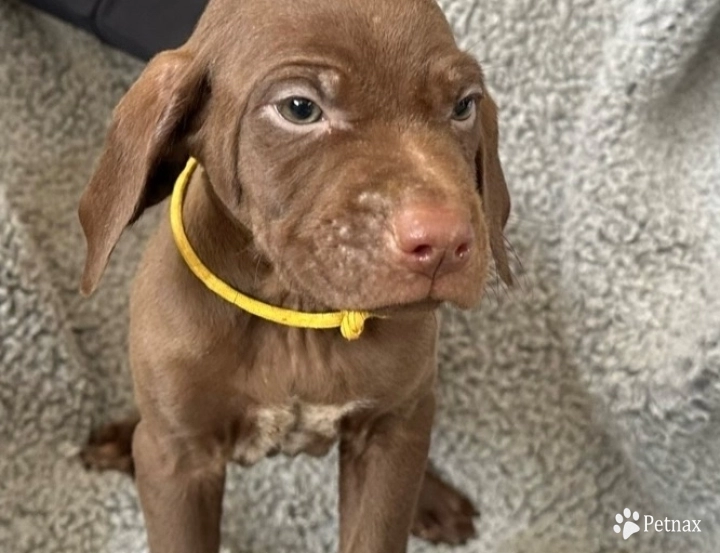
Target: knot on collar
pixel 353 323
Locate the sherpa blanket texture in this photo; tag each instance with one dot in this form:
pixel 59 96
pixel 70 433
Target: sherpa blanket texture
pixel 592 386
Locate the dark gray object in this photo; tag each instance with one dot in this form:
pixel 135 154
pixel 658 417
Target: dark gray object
pixel 139 27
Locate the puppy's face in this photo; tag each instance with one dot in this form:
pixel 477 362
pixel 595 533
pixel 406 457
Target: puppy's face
pixel 357 143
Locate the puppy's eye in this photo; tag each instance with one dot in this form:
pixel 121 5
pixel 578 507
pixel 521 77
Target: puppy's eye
pixel 464 109
pixel 300 111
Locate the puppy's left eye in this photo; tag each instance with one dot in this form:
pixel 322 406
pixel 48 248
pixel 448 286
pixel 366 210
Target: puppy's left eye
pixel 300 111
pixel 464 109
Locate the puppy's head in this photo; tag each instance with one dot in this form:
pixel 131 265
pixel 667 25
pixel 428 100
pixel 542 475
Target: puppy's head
pixel 354 140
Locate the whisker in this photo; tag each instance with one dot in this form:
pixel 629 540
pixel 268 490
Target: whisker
pixel 469 49
pixel 257 268
pixel 520 275
pixel 514 253
pixel 493 285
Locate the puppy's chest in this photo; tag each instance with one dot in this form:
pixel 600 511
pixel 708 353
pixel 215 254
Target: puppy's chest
pixel 292 428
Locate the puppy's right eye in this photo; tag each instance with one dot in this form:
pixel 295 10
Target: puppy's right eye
pixel 300 111
pixel 464 109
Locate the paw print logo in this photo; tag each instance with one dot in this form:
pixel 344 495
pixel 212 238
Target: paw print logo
pixel 628 521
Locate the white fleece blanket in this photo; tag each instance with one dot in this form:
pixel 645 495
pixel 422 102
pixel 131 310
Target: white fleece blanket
pixel 592 387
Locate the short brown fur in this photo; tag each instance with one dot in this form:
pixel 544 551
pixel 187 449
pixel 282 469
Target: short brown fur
pixel 301 219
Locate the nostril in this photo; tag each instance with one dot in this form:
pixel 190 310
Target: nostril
pixel 462 250
pixel 422 251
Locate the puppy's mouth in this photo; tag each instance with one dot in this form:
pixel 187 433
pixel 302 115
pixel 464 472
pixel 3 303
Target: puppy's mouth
pixel 381 287
pixel 429 302
pixel 426 294
pixel 418 306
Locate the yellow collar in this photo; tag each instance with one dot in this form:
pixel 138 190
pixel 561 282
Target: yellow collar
pixel 351 323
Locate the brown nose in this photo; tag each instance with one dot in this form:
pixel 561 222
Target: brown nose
pixel 433 240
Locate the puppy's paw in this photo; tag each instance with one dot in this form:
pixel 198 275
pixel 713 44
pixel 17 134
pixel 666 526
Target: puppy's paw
pixel 110 447
pixel 444 515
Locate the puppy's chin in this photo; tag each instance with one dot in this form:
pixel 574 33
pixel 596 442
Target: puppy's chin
pixel 411 295
pixel 384 289
pixel 460 293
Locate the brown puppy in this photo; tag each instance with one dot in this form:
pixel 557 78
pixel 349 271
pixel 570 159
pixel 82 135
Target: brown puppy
pixel 348 157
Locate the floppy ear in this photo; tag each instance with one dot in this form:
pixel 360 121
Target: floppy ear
pixel 496 200
pixel 144 150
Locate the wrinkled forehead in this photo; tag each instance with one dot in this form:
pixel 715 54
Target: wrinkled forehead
pixel 376 41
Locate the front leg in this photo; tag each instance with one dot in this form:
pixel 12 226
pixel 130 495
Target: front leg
pixel 382 464
pixel 180 484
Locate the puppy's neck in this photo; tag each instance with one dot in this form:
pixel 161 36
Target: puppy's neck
pixel 227 247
